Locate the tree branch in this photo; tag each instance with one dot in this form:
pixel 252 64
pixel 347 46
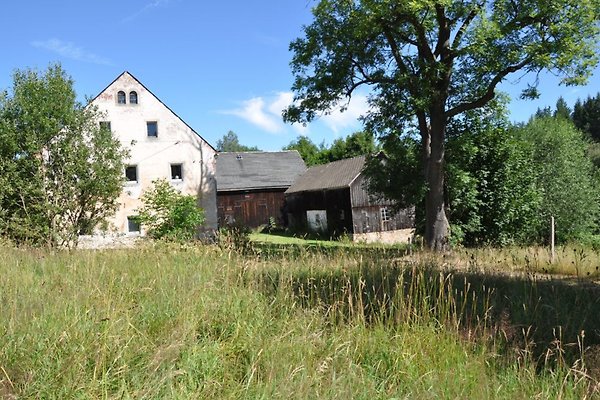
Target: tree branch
pixel 443 31
pixel 490 91
pixel 399 61
pixel 422 44
pixel 463 28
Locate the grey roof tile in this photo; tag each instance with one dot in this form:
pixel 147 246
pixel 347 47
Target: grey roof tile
pixel 258 170
pixel 334 175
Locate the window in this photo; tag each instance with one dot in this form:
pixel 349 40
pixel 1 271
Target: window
pixel 105 125
pixel 121 97
pixel 176 172
pixel 386 216
pixel 131 173
pixel 152 127
pixel 133 97
pixel 133 224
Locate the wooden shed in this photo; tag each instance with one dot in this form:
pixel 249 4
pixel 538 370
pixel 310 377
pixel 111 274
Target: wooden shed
pixel 251 186
pixel 334 198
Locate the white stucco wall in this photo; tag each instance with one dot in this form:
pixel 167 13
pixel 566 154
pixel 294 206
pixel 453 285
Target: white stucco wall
pixel 176 143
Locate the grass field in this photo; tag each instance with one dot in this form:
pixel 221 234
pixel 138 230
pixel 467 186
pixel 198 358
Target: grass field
pixel 201 322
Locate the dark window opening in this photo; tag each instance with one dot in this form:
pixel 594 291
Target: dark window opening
pixel 176 171
pixel 386 215
pixel 105 125
pixel 131 173
pixel 121 97
pixel 152 128
pixel 133 224
pixel 133 98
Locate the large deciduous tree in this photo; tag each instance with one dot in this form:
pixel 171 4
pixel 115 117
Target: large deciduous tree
pixel 61 171
pixel 429 61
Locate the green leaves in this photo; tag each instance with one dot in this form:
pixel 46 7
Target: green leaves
pixel 168 214
pixel 428 61
pixel 230 142
pixel 61 172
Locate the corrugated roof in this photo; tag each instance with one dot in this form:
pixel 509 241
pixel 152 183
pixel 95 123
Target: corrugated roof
pixel 335 175
pixel 258 170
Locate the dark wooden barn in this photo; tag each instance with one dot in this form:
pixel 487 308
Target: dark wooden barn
pixel 334 198
pixel 251 186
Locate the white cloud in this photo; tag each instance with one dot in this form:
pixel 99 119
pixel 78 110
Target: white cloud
pixel 266 113
pixel 70 50
pixel 254 111
pixel 281 102
pixel 338 120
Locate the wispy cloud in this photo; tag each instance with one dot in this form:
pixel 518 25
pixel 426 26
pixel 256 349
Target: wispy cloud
pixel 265 113
pixel 338 120
pixel 70 50
pixel 147 7
pixel 258 113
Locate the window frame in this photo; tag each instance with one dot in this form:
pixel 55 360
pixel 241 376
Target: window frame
pixel 180 165
pixel 148 124
pixel 385 214
pixel 137 176
pixel 133 92
pixel 119 93
pixel 131 221
pixel 105 124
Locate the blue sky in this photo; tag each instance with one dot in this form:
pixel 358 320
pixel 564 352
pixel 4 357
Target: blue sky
pixel 219 65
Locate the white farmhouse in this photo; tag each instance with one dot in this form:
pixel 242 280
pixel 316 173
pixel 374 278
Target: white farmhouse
pixel 161 145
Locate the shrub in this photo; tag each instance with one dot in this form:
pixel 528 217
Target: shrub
pixel 168 214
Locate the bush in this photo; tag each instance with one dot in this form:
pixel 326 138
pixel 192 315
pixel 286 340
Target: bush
pixel 168 214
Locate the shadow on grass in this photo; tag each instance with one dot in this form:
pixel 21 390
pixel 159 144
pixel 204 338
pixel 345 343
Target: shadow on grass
pixel 294 250
pixel 548 321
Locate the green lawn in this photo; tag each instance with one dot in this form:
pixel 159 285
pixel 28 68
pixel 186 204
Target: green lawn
pixel 288 239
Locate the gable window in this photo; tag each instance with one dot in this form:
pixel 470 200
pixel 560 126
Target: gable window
pixel 131 173
pixel 152 128
pixel 133 224
pixel 121 97
pixel 105 125
pixel 176 172
pixel 133 97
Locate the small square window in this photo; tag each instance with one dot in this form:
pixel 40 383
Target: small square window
pixel 105 125
pixel 176 171
pixel 131 173
pixel 133 224
pixel 152 127
pixel 386 216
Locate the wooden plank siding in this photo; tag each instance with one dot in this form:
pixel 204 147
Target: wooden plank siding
pixel 367 213
pixel 251 209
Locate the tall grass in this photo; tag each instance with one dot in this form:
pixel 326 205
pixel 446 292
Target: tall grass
pixel 185 322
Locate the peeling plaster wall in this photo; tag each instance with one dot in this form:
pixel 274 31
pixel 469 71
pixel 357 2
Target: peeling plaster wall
pixel 176 143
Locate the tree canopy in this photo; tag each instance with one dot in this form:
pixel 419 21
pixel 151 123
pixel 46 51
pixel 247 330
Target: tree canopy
pixel 61 171
pixel 231 143
pixel 430 61
pixel 356 144
pixel 586 116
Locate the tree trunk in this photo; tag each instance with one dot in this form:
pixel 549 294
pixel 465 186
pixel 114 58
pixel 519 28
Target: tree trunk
pixel 437 228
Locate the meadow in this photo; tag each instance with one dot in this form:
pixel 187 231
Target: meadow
pixel 171 321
